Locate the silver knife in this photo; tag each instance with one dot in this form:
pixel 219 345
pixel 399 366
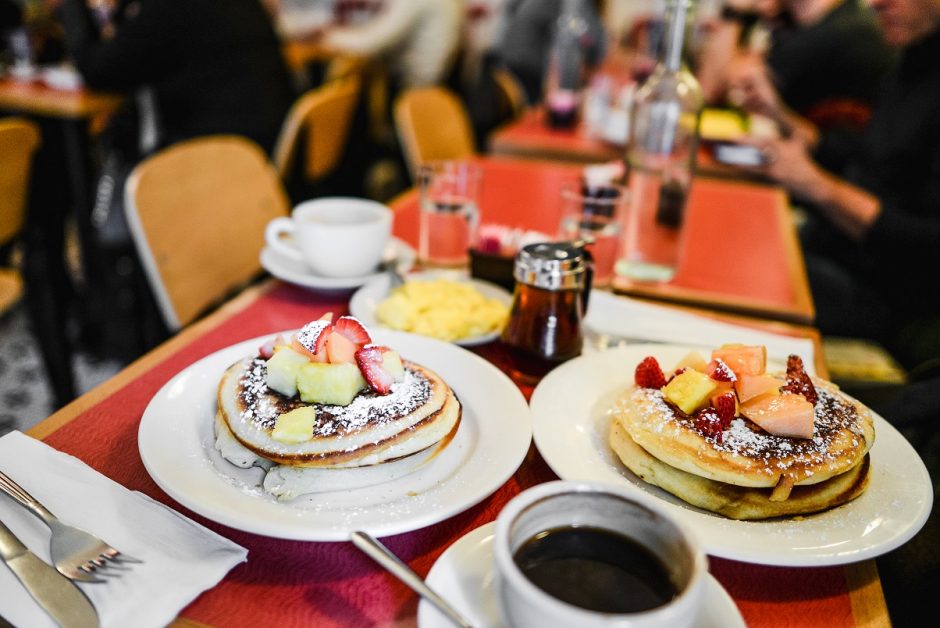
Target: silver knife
pixel 55 593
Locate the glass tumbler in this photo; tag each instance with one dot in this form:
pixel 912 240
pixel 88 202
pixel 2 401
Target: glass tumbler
pixel 450 213
pixel 594 213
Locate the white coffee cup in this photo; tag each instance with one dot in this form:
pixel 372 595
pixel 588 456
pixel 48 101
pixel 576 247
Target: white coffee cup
pixel 564 505
pixel 334 236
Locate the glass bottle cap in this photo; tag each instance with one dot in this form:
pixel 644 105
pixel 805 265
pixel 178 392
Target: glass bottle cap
pixel 551 265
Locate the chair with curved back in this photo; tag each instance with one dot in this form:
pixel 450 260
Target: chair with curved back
pixel 19 139
pixel 432 124
pixel 197 213
pixel 512 98
pixel 319 121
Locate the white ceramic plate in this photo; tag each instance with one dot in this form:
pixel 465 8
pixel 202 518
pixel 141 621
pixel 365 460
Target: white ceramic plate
pixel 463 576
pixel 570 422
pixel 177 447
pixel 291 271
pixel 365 300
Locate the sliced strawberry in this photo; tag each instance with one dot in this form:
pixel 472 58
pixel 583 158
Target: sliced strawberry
pixel 725 406
pixel 353 330
pixel 266 350
pixel 708 424
pixel 798 382
pixel 311 339
pixel 369 359
pixel 340 349
pixel 649 374
pixel 720 372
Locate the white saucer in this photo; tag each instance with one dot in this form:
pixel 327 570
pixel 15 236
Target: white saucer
pixel 295 272
pixel 463 576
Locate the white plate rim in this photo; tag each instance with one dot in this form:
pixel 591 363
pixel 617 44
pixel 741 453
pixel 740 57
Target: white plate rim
pixel 274 263
pixel 174 448
pixel 720 608
pixel 364 301
pixel 882 519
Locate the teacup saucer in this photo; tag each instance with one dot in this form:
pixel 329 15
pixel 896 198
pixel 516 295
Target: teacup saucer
pixel 463 576
pixel 298 273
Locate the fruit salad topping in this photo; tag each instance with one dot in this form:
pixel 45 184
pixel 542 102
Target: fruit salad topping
pixel 734 383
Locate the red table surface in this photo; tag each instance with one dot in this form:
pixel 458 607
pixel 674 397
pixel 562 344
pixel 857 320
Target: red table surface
pixel 291 583
pixel 738 250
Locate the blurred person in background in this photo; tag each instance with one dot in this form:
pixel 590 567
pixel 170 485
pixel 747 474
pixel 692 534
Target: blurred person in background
pixel 873 235
pixel 527 35
pixel 215 67
pixel 824 58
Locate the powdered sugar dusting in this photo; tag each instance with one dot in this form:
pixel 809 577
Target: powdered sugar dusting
pixel 310 333
pixel 262 406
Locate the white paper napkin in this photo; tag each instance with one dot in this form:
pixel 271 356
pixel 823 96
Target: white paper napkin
pixel 620 316
pixel 180 558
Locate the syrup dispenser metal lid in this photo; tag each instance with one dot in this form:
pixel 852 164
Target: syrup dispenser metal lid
pixel 552 265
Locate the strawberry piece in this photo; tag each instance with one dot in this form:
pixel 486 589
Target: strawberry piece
pixel 719 371
pixel 370 361
pixel 266 350
pixel 708 424
pixel 353 330
pixel 311 339
pixel 798 382
pixel 725 406
pixel 649 374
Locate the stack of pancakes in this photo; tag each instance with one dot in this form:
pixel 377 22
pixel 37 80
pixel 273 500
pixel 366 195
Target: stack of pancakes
pixel 748 473
pixel 375 438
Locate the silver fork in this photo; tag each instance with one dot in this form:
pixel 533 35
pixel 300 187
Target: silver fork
pixel 76 554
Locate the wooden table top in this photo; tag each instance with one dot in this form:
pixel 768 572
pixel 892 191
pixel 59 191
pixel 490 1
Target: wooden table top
pixel 101 427
pixel 739 252
pixel 39 99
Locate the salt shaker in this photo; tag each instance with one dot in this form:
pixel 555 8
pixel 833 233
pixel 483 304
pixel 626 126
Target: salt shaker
pixel 544 327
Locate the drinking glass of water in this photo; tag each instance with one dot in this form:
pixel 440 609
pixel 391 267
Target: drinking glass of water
pixel 594 213
pixel 450 214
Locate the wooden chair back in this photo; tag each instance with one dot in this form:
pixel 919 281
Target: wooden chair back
pixel 19 139
pixel 197 212
pixel 511 94
pixel 322 116
pixel 432 124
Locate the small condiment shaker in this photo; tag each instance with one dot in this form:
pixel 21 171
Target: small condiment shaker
pixel 550 297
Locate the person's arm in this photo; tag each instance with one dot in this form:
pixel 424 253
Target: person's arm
pixel 143 46
pixel 380 34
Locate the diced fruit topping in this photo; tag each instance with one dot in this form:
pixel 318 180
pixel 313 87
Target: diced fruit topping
pixel 783 415
pixel 743 359
pixel 353 330
pixel 295 426
pixel 719 371
pixel 340 349
pixel 726 406
pixel 268 349
pixel 282 371
pixel 692 360
pixel 798 382
pixel 336 384
pixel 371 360
pixel 689 391
pixel 649 374
pixel 312 338
pixel 709 424
pixel 750 386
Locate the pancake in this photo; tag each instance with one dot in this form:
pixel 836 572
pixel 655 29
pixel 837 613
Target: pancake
pixel 419 412
pixel 738 502
pixel 749 456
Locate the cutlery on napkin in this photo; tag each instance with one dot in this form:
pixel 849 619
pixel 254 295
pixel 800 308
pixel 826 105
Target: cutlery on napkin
pixel 181 558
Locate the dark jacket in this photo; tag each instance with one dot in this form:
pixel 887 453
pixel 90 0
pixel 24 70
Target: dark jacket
pixel 215 65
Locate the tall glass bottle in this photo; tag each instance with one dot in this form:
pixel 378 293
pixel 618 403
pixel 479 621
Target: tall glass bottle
pixel 661 158
pixel 565 70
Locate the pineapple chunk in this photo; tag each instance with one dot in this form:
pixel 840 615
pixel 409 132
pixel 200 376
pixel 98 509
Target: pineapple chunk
pixel 295 426
pixel 391 364
pixel 283 367
pixel 336 384
pixel 690 390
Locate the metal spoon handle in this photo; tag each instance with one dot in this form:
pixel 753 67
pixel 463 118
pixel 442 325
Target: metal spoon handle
pixel 381 554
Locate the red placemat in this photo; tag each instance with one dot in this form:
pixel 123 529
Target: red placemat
pixel 292 583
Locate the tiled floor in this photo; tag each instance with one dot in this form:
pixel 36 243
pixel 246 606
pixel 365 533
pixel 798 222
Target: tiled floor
pixel 25 396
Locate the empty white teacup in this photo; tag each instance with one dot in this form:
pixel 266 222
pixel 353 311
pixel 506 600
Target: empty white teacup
pixel 591 555
pixel 334 236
